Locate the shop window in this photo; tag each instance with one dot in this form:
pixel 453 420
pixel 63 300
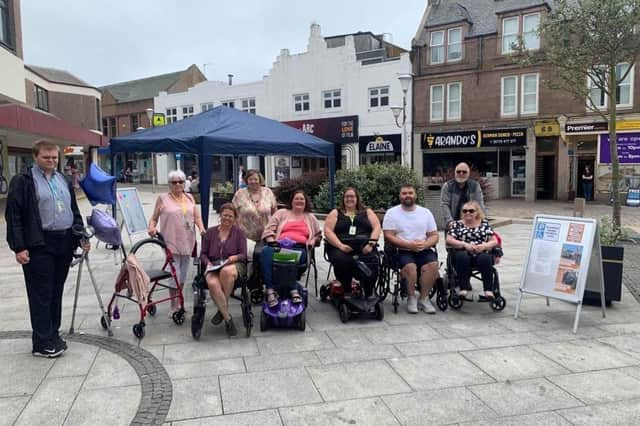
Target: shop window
pixel 172 115
pixel 249 105
pixel 379 97
pixel 439 166
pixel 301 102
pixel 42 98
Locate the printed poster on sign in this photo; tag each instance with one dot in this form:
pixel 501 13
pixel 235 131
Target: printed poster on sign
pixel 575 233
pixel 567 274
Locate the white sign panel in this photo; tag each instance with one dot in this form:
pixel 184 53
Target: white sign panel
pixel 131 209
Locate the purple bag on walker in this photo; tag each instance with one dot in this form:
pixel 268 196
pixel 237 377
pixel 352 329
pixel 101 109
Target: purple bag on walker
pixel 106 227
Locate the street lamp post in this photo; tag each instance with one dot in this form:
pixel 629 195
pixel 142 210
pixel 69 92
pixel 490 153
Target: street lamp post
pixel 405 81
pixel 149 112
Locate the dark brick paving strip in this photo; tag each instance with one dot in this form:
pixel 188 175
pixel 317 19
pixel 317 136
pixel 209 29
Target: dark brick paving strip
pixel 631 268
pixel 156 389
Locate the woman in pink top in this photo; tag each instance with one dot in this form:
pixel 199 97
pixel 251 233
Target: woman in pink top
pixel 296 223
pixel 178 216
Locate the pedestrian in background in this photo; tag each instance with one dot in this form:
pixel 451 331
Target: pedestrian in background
pixel 587 183
pixel 41 211
pixel 459 191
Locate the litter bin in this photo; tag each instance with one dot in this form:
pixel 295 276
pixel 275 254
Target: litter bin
pixel 432 202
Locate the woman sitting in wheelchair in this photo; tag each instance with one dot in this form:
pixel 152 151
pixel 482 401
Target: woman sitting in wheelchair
pixel 224 250
pixel 295 223
pixel 352 229
pixel 473 240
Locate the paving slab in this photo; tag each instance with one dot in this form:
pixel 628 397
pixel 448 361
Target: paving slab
pixel 363 353
pixel 254 418
pixel 435 346
pixel 504 340
pixel 357 380
pixel 199 351
pixel 21 374
pixel 15 346
pixel 550 418
pixel 427 372
pixel 110 370
pixel 267 389
pixel 188 370
pixel 280 361
pixel 628 343
pixel 11 407
pixel 348 338
pixel 566 334
pixel 401 334
pixel 118 404
pixel 195 397
pixel 443 406
pixel 615 413
pixel 77 361
pixel 470 328
pixel 524 397
pixel 514 363
pixel 356 412
pixel 302 342
pixel 585 355
pixel 600 386
pixel 51 402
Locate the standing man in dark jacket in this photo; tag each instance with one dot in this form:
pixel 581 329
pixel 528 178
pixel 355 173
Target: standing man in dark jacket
pixel 459 191
pixel 41 210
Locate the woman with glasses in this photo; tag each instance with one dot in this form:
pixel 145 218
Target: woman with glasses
pixel 178 216
pixel 473 239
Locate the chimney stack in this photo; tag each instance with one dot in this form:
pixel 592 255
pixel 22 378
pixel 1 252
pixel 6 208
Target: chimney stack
pixel 230 79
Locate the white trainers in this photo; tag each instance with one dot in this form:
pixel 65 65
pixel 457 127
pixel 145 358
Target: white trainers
pixel 412 305
pixel 426 306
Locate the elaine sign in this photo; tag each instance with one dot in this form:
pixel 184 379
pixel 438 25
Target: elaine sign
pixel 628 148
pixel 380 144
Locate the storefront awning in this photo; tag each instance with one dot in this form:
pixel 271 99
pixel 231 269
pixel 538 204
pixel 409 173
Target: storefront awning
pixel 30 121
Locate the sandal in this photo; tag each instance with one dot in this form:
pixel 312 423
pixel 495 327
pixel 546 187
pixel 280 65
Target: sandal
pixel 272 299
pixel 295 296
pixel 489 295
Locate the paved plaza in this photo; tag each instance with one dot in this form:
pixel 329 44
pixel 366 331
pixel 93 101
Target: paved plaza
pixel 470 367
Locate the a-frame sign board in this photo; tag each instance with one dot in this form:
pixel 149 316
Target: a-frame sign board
pixel 563 259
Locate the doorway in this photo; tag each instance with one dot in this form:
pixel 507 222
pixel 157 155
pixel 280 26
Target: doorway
pixel 545 177
pixel 582 162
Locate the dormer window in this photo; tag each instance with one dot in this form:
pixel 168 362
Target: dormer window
pixel 446 45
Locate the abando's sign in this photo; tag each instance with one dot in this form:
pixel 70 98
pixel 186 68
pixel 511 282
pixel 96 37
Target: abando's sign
pixel 464 139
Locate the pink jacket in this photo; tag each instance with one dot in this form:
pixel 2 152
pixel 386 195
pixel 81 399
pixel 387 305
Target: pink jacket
pixel 282 216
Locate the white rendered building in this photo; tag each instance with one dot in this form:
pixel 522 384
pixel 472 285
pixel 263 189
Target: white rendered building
pixel 340 89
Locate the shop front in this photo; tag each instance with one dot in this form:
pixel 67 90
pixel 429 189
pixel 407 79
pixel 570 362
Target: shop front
pixel 341 131
pixel 380 149
pixel 496 155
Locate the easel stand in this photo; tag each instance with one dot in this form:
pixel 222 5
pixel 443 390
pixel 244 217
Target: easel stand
pixel 82 260
pixel 563 259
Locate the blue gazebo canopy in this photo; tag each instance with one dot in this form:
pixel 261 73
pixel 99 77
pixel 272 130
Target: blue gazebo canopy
pixel 230 132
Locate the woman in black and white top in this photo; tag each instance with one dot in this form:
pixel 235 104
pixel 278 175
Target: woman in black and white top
pixel 473 238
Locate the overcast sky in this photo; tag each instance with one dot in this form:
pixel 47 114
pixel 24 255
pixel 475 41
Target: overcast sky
pixel 108 41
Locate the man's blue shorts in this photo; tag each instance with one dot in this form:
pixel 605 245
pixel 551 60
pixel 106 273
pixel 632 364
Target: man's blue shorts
pixel 420 258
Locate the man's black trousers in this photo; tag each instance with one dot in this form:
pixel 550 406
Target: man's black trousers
pixel 45 275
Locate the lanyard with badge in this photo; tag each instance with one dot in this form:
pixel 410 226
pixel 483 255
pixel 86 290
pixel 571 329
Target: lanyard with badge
pixel 183 206
pixel 57 195
pixel 352 228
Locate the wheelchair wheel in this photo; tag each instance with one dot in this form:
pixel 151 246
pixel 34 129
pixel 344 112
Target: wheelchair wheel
pixel 264 321
pixel 498 303
pixel 343 310
pixel 178 317
pixel 395 302
pixel 455 301
pixel 301 322
pixel 324 293
pixel 256 296
pixel 379 311
pixel 247 319
pixel 151 309
pixel 441 302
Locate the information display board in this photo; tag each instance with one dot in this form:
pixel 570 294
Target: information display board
pixel 562 260
pixel 130 208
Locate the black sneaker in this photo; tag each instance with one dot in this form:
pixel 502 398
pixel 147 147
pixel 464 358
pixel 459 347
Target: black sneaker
pixel 217 318
pixel 60 343
pixel 230 327
pixel 48 352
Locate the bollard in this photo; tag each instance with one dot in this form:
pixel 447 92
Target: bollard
pixel 578 207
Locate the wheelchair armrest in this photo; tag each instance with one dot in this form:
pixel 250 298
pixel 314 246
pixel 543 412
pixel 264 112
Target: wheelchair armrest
pixel 497 252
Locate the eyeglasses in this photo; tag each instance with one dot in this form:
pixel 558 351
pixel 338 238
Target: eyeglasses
pixel 470 211
pixel 176 182
pixel 461 172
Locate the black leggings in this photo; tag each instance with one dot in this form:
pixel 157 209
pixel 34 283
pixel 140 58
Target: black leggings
pixel 464 262
pixel 346 269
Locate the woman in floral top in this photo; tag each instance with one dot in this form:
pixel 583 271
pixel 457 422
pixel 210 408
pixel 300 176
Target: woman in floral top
pixel 255 204
pixel 473 238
